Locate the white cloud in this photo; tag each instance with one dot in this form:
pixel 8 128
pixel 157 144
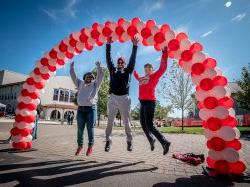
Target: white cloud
pixel 228 4
pixel 207 33
pixel 239 17
pixel 69 10
pixel 154 6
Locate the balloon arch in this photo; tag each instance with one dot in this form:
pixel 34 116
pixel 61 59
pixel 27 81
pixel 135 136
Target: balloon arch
pixel 212 93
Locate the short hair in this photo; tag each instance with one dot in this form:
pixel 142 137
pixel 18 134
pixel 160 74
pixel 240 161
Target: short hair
pixel 88 74
pixel 148 65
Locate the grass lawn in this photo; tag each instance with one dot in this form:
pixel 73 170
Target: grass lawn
pixel 187 130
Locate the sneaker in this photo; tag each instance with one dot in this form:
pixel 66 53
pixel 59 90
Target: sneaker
pixel 152 144
pixel 89 151
pixel 166 147
pixel 79 149
pixel 129 146
pixel 107 146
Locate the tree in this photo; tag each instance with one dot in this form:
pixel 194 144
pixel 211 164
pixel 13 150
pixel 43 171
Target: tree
pixel 103 96
pixel 243 96
pixel 177 88
pixel 135 112
pixel 161 112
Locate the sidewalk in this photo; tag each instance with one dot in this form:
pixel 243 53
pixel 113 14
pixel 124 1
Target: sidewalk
pixel 54 164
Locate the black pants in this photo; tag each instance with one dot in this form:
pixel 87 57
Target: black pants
pixel 147 110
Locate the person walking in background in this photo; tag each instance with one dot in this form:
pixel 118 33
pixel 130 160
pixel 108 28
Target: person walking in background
pixel 119 92
pixel 35 128
pixel 87 99
pixel 147 85
pixel 72 118
pixel 68 117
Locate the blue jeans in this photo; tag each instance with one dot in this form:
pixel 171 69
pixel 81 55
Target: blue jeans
pixel 86 115
pixel 34 130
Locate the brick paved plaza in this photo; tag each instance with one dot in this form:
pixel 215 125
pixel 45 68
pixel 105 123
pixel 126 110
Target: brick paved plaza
pixel 54 164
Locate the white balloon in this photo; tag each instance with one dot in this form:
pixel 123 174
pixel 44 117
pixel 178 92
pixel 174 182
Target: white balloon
pixel 125 37
pixel 37 78
pixel 218 71
pixel 100 28
pixel 150 41
pixel 140 26
pixel 114 36
pixel 215 155
pixel 200 95
pixel 169 35
pixel 209 73
pixel 237 132
pixel 79 46
pixel 113 25
pixel 154 30
pixel 185 44
pixel 218 92
pixel 187 67
pixel 66 42
pixel 221 112
pixel 30 88
pixel 61 56
pixel 205 113
pixel 71 49
pixel 209 134
pixel 228 91
pixel 87 31
pixel 38 64
pixel 231 112
pixel 44 70
pixel 76 35
pixel 52 62
pixel 198 56
pixel 23 125
pixel 230 155
pixel 196 79
pixel 227 133
pixel 125 25
pixel 177 54
pixel 91 41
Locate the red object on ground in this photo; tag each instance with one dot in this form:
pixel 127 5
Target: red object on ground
pixel 190 158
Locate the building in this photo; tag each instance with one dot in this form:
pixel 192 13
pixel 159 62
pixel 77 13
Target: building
pixel 56 100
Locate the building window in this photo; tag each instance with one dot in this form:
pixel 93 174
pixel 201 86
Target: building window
pixel 55 95
pixel 66 97
pixel 72 96
pixel 62 95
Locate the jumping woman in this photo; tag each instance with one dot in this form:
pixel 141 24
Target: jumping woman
pixel 147 85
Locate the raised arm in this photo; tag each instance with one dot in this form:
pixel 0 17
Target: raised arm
pixel 100 74
pixel 132 60
pixel 74 78
pixel 109 60
pixel 164 63
pixel 136 75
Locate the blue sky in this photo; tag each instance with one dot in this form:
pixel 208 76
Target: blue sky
pixel 30 28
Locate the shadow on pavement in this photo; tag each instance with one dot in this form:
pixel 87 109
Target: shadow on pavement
pixel 64 172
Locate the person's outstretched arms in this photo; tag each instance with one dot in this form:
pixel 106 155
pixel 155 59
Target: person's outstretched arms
pixel 164 63
pixel 109 60
pixel 136 75
pixel 131 64
pixel 74 78
pixel 100 74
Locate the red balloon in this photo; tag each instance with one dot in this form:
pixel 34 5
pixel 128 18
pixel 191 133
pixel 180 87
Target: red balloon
pixel 150 23
pixel 44 61
pixel 95 25
pixel 121 21
pixel 235 144
pixel 51 68
pixel 210 63
pixel 69 55
pixel 99 43
pixel 135 21
pixel 157 48
pixel 29 145
pixel 227 102
pixel 95 34
pixel 217 144
pixel 200 105
pixel 29 106
pixel 15 131
pixel 30 81
pixel 238 167
pixel 198 88
pixel 171 54
pixel 206 84
pixel 106 31
pixel 53 54
pixel 198 68
pixel 33 95
pixel 107 23
pixel 210 162
pixel 88 46
pixel 221 167
pixel 181 36
pixel 39 85
pixel 119 30
pixel 174 45
pixel 63 47
pixel 60 62
pixel 220 80
pixel 83 37
pixel 186 55
pixel 25 132
pixel 144 42
pixel 20 145
pixel 72 41
pixel 165 28
pixel 145 33
pixel 159 37
pixel 230 121
pixel 214 124
pixel 181 62
pixel 196 47
pixel 132 31
pixel 210 102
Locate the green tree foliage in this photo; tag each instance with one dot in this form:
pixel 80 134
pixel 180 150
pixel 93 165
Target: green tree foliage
pixel 161 112
pixel 243 96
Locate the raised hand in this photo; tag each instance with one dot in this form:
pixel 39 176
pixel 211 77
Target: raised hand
pixel 109 40
pixel 135 40
pixel 98 64
pixel 72 64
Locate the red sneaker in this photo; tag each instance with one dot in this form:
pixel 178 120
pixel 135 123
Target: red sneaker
pixel 79 149
pixel 89 151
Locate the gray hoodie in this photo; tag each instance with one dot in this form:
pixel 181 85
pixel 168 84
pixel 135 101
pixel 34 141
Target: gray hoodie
pixel 87 93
